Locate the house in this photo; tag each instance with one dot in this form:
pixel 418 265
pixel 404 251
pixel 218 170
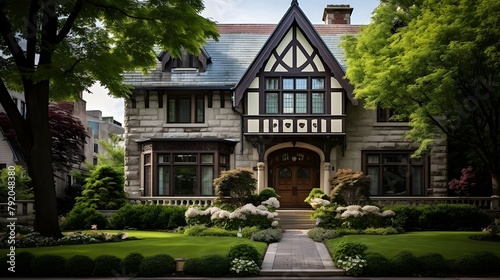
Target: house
pixel 272 98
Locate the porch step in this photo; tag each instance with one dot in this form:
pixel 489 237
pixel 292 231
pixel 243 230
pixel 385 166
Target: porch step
pixel 295 219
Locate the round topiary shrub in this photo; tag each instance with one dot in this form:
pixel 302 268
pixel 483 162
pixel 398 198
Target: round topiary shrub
pixel 377 265
pixel 79 266
pixel 48 266
pixel 213 265
pixel 404 263
pixel 244 251
pixel 432 264
pixel 158 265
pixel 83 218
pixel 132 263
pixel 106 265
pixel 22 264
pixel 477 264
pixel 192 267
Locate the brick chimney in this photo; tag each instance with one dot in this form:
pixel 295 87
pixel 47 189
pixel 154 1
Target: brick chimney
pixel 337 14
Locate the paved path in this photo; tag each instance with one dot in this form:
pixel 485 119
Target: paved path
pixel 297 253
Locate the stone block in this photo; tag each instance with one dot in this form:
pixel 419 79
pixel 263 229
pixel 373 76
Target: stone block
pixel 157 123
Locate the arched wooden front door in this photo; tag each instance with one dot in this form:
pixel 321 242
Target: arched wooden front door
pixel 294 172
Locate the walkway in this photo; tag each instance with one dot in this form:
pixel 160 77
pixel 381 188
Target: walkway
pixel 298 255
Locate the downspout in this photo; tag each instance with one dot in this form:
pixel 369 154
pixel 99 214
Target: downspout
pixel 241 124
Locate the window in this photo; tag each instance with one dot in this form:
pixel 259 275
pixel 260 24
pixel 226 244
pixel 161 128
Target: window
pixel 147 175
pixel 386 115
pixel 95 129
pixel 186 109
pixel 186 60
pixel 94 161
pixel 395 173
pixel 23 108
pixel 96 148
pixel 300 95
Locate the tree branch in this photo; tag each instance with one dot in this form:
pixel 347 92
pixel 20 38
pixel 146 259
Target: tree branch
pixel 118 9
pixel 69 22
pixel 10 108
pixel 11 41
pixel 31 30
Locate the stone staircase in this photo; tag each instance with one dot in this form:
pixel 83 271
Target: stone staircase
pixel 295 219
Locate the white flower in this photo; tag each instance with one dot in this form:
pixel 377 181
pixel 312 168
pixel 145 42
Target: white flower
pixel 370 209
pixel 272 201
pixel 388 213
pixel 274 224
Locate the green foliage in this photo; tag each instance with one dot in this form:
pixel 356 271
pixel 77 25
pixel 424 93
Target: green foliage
pixel 83 218
pixel 327 216
pixel 377 265
pixel 405 263
pixel 380 231
pixel 193 266
pixel 244 251
pixel 316 193
pixel 106 265
pixel 47 266
pixel 349 187
pixel 407 216
pixel 269 235
pixel 131 264
pixel 267 193
pixel 194 230
pixel 479 263
pixel 247 232
pixel 216 231
pixel 432 264
pixel 103 189
pixel 346 249
pixel 23 263
pixel 79 266
pixel 235 186
pixel 148 217
pixel 157 265
pixel 320 234
pixel 436 65
pixel 21 184
pixel 212 265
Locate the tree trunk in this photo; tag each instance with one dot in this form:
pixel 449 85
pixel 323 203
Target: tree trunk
pixel 38 154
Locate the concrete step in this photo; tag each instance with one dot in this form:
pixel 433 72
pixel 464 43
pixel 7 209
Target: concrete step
pixel 302 273
pixel 295 219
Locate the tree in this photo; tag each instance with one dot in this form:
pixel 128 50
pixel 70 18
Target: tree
pixel 53 50
pixel 437 64
pixel 68 135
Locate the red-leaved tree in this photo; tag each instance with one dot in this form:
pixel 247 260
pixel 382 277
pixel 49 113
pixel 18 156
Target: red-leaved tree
pixel 466 185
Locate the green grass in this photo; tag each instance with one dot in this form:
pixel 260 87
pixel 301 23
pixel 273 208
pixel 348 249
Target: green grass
pixel 450 245
pixel 151 243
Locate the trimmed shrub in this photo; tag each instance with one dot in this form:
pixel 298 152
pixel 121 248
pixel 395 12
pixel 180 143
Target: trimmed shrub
pixel 380 231
pixel 377 265
pixel 48 266
pixel 79 266
pixel 247 232
pixel 83 218
pixel 234 187
pixel 316 234
pixel 267 193
pixel 158 265
pixel 269 235
pixel 148 217
pixel 316 193
pixel 477 264
pixel 103 189
pixel 244 251
pixel 194 230
pixel 23 263
pixel 193 267
pixel 432 264
pixel 405 263
pixel 216 231
pixel 348 249
pixel 131 263
pixel 213 265
pixel 349 187
pixel 107 265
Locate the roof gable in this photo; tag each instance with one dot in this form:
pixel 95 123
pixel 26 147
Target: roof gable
pixel 294 16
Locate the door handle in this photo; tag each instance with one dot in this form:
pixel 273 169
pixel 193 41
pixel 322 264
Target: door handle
pixel 294 190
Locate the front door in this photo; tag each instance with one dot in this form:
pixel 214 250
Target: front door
pixel 295 173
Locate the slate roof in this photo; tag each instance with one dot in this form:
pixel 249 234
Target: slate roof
pixel 236 49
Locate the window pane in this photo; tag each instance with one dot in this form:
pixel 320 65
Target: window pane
pixel 301 103
pixel 163 158
pixel 272 83
pixel 272 103
pixel 147 180
pixel 318 83
pixel 372 159
pixel 184 180
pixel 303 172
pixel 288 103
pixel 394 180
pixel 207 176
pixel 185 158
pixel 285 172
pixel 200 109
pixel 171 110
pixel 318 103
pixel 224 159
pixel 288 84
pixel 184 109
pixel 416 181
pixel 147 159
pixel 373 172
pixel 395 158
pixel 301 84
pixel 163 180
pixel 207 158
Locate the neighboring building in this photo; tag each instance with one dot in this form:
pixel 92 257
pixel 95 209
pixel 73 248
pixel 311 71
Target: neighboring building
pixel 272 98
pixel 10 152
pixel 101 129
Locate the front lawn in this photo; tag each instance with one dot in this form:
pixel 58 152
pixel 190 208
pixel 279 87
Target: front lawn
pixel 150 243
pixel 450 245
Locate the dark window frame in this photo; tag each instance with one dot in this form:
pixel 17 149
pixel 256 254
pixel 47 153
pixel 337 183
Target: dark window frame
pixel 196 112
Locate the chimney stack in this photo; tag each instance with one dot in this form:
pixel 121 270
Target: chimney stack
pixel 337 14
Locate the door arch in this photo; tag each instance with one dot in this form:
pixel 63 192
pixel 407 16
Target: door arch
pixel 293 172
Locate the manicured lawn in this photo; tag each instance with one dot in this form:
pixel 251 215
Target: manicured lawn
pixel 450 245
pixel 151 243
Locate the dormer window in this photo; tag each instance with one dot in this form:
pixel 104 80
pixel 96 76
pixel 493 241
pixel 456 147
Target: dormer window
pixel 187 62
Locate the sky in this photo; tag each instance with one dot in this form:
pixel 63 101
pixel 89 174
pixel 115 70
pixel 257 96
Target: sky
pixel 241 11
